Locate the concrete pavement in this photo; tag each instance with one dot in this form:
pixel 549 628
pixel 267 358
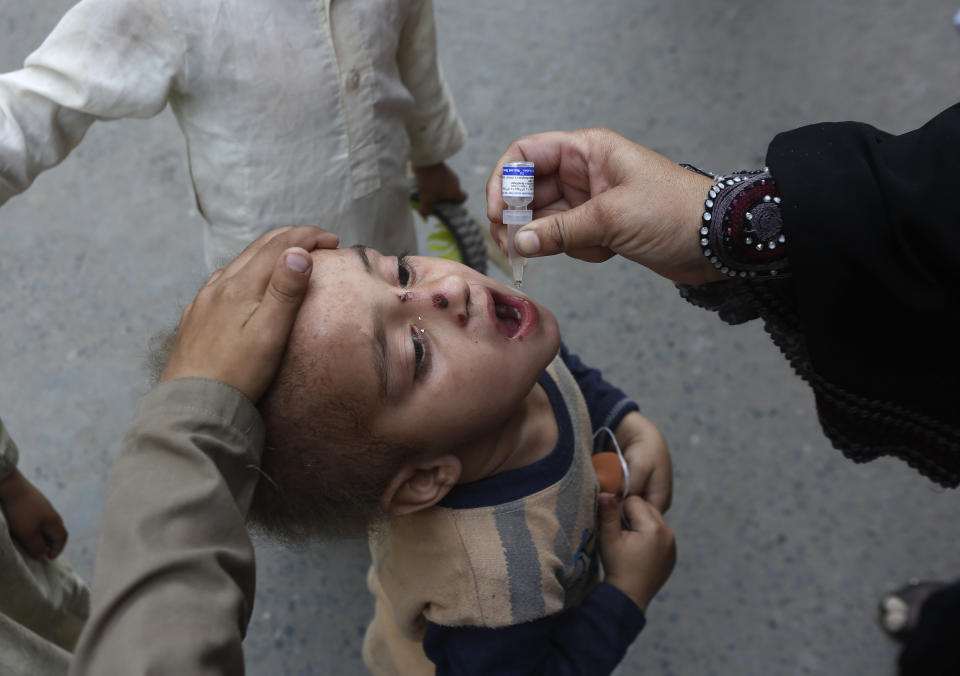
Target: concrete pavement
pixel 784 546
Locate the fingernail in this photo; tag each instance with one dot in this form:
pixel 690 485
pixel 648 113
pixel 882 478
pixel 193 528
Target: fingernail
pixel 296 262
pixel 527 242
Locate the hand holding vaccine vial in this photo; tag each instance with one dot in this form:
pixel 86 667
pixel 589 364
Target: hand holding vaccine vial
pixel 517 191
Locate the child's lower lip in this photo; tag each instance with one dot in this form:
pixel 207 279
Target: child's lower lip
pixel 518 329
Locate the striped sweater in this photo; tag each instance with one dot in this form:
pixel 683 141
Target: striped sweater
pixel 500 552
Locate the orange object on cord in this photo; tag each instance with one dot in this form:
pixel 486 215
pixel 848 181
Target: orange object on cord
pixel 609 472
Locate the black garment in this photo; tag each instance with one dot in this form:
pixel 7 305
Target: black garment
pixel 931 648
pixel 873 238
pixel 870 316
pixel 873 232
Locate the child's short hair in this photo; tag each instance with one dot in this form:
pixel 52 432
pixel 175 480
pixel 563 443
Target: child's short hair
pixel 323 472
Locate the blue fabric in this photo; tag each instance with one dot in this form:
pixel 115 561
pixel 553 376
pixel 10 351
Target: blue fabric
pixel 522 481
pixel 607 404
pixel 591 638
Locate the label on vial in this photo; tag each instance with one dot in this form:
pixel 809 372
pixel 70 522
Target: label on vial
pixel 518 182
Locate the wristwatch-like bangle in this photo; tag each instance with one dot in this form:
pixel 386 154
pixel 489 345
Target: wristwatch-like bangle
pixel 742 229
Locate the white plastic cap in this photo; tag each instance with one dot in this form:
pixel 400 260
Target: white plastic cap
pixel 517 216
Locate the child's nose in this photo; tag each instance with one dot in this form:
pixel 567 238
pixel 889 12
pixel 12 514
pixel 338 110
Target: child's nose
pixel 449 296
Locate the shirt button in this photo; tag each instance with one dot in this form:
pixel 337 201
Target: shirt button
pixel 354 80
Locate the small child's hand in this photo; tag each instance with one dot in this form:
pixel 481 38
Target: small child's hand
pixel 33 521
pixel 437 183
pixel 636 561
pixel 645 450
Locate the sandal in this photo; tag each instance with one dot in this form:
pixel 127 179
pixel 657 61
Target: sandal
pixel 900 609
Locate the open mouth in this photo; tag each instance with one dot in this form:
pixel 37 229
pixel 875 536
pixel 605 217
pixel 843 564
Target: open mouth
pixel 508 319
pixel 515 316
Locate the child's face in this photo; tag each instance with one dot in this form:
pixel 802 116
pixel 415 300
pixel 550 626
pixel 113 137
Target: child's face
pixel 438 353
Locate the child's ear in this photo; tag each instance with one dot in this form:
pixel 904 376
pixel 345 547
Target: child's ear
pixel 421 485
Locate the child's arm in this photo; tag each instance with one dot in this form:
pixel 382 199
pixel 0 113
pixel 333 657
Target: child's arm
pixel 106 59
pixel 607 404
pixel 435 130
pixel 591 638
pixel 645 450
pixel 32 520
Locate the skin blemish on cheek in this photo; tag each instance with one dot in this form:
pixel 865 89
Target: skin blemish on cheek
pixel 440 301
pixel 404 297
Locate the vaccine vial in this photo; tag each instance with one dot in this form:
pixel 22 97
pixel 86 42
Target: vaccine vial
pixel 517 192
pixel 517 184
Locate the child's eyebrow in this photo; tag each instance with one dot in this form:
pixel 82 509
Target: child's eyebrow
pixel 362 252
pixel 380 354
pixel 379 333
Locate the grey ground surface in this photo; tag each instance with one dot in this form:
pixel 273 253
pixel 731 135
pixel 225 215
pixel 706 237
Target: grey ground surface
pixel 784 546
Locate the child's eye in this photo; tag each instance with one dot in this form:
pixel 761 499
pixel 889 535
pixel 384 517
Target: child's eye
pixel 403 270
pixel 419 353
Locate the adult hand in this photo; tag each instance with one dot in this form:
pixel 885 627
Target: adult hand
pixel 236 329
pixel 597 194
pixel 32 520
pixel 637 561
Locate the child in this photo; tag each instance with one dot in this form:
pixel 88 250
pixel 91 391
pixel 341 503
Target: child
pixel 43 603
pixel 292 112
pixel 423 398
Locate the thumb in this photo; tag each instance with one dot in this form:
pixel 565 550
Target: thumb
pixel 285 292
pixel 581 232
pixel 610 526
pixel 641 514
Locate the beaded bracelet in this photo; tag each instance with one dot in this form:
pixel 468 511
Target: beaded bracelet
pixel 742 228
